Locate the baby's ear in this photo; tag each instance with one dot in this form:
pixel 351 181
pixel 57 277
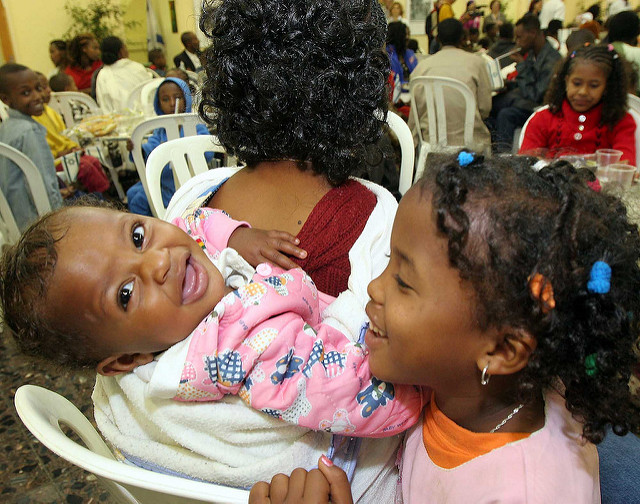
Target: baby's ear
pixel 122 363
pixel 511 352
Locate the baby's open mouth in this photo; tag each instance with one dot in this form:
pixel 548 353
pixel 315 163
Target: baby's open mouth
pixel 195 281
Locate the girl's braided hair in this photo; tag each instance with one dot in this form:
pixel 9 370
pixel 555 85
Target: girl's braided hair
pixel 303 80
pixel 506 222
pixel 614 99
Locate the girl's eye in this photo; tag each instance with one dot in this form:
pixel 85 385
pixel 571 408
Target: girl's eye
pixel 124 295
pixel 137 236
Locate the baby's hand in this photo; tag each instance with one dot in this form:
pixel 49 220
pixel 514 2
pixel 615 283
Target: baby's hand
pixel 258 246
pixel 325 484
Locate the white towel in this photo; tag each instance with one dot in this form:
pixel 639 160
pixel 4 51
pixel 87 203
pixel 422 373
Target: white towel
pixel 227 442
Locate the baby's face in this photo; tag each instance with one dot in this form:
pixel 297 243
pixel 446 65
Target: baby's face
pixel 134 284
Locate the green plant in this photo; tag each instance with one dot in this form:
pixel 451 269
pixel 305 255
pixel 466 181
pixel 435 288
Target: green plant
pixel 100 17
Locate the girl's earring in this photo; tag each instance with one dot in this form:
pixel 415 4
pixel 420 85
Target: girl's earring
pixel 484 379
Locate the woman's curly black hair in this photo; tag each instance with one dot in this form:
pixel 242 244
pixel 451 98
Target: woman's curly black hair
pixel 614 99
pixel 506 222
pixel 303 80
pixel 26 269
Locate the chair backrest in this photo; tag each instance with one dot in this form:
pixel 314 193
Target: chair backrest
pixel 73 106
pixel 526 123
pixel 635 113
pixel 434 89
pixel 4 112
pixel 403 133
pixel 135 100
pixel 633 103
pixel 43 411
pixel 187 158
pixel 36 186
pixel 172 124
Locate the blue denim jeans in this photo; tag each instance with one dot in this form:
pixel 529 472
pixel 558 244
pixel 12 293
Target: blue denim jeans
pixel 619 469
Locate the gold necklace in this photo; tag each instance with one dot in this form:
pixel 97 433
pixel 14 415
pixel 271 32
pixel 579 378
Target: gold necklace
pixel 509 417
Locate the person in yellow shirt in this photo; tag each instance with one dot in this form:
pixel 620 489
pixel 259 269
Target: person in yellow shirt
pixel 446 11
pixel 91 175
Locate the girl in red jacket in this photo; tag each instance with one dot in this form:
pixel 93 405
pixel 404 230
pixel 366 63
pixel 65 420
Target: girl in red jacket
pixel 587 108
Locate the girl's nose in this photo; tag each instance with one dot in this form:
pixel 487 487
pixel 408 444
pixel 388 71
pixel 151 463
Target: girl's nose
pixel 155 265
pixel 375 289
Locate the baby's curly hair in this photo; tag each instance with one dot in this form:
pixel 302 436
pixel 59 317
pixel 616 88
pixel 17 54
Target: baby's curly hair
pixel 26 269
pixel 303 80
pixel 506 222
pixel 614 99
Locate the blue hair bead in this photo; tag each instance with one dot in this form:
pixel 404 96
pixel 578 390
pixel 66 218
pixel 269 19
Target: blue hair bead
pixel 600 278
pixel 465 158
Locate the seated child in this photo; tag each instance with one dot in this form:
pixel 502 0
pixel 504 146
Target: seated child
pixel 91 175
pixel 158 62
pixel 62 82
pixel 587 108
pixel 513 294
pixel 21 91
pixel 171 96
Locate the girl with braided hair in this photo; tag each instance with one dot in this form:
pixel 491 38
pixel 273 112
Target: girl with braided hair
pixel 587 110
pixel 511 298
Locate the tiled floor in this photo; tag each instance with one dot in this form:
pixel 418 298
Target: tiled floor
pixel 29 472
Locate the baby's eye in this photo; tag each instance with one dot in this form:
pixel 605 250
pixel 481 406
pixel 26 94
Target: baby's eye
pixel 401 282
pixel 137 236
pixel 124 295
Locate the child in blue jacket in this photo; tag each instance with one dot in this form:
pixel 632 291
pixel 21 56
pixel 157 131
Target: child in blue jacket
pixel 172 90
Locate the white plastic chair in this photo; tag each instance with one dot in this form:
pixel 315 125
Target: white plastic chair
pixel 434 89
pixel 186 156
pixel 633 102
pixel 635 113
pixel 523 130
pixel 70 105
pixel 43 411
pixel 403 133
pixel 8 225
pixel 135 100
pixel 4 112
pixel 172 123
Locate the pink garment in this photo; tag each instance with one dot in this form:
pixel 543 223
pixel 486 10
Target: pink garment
pixel 266 343
pixel 553 464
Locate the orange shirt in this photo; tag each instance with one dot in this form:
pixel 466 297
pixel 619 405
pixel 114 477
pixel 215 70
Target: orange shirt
pixel 450 445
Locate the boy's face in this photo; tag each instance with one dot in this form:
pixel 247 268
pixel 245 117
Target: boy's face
pixel 24 93
pixel 160 60
pixel 167 95
pixel 134 284
pixel 46 90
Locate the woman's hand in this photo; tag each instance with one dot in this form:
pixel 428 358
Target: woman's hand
pixel 325 484
pixel 258 246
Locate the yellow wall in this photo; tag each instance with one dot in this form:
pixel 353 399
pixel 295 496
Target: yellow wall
pixel 34 23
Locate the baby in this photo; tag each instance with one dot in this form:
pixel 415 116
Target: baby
pixel 112 290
